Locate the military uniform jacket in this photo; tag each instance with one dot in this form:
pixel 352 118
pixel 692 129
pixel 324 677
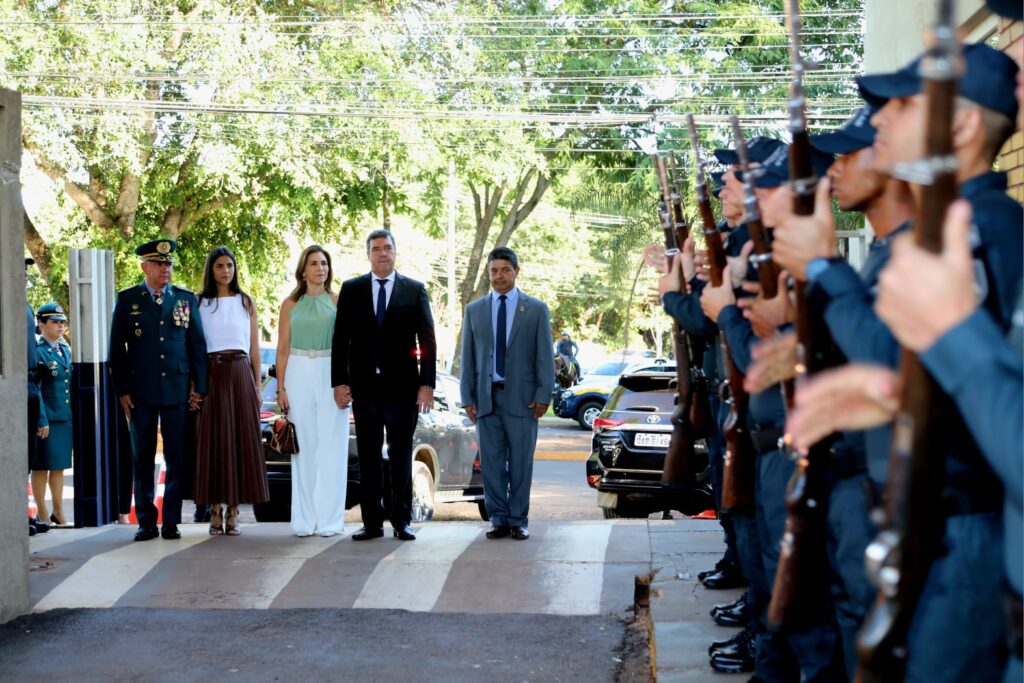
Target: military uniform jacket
pixel 53 368
pixel 156 349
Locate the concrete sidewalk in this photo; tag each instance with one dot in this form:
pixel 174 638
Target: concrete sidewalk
pixel 680 604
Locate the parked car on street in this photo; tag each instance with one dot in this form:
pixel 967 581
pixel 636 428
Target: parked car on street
pixel 268 356
pixel 631 437
pixel 585 401
pixel 445 468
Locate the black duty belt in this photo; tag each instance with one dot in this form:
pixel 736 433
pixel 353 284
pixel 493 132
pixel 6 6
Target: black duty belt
pixel 766 440
pixel 848 462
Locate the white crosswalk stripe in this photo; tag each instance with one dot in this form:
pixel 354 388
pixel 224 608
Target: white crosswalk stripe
pixel 413 576
pixel 102 580
pixel 572 562
pixel 451 567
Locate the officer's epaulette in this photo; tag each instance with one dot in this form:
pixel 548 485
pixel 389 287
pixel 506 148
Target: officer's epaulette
pixel 131 290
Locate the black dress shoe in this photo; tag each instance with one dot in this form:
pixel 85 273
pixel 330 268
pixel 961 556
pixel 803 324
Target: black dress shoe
pixel 498 531
pixel 740 645
pixel 738 603
pixel 520 533
pixel 405 533
pixel 738 616
pixel 32 529
pixel 41 527
pixel 146 533
pixel 727 577
pixel 732 665
pixel 170 532
pixel 365 534
pixel 719 566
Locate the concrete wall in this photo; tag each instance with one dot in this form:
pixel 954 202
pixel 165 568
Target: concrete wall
pixel 894 29
pixel 13 393
pixel 1011 35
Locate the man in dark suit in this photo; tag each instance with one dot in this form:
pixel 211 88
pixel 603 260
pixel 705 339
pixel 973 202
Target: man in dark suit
pixel 381 317
pixel 156 349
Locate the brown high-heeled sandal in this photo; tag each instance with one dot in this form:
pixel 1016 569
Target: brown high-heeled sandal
pixel 216 521
pixel 231 525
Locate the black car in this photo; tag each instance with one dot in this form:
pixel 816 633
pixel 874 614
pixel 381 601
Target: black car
pixel 445 468
pixel 631 437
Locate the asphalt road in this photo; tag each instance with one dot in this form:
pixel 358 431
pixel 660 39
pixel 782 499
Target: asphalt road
pixel 132 644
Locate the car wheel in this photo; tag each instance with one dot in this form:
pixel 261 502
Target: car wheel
pixel 422 493
pixel 587 413
pixel 610 513
pixel 482 507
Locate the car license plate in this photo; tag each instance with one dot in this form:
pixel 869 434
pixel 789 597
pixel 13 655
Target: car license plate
pixel 652 440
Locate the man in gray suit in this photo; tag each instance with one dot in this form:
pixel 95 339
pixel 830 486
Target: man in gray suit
pixel 508 375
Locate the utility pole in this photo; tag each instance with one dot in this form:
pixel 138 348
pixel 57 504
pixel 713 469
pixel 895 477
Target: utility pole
pixel 452 309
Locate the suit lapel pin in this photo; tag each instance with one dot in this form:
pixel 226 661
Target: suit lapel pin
pixel 522 308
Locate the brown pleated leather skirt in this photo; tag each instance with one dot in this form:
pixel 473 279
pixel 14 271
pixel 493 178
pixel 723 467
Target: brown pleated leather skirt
pixel 229 450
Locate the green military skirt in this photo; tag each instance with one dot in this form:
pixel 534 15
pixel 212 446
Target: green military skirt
pixel 54 452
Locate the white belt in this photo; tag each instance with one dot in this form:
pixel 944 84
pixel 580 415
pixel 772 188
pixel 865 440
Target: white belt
pixel 311 353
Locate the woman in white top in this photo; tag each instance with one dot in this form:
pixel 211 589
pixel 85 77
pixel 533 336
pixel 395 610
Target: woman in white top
pixel 305 333
pixel 230 468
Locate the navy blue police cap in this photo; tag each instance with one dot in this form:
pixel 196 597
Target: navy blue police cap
pixel 775 169
pixel 51 311
pixel 718 184
pixel 759 148
pixel 160 250
pixel 989 79
pixel 856 134
pixel 1011 9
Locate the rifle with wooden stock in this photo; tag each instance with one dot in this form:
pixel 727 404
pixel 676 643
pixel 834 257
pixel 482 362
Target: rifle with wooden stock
pixel 700 408
pixel 899 559
pixel 767 270
pixel 739 471
pixel 680 459
pixel 803 565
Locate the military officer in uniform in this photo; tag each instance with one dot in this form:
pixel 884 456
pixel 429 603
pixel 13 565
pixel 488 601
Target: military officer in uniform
pixel 156 350
pixel 53 449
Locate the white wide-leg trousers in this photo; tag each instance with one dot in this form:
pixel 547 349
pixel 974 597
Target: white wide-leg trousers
pixel 320 470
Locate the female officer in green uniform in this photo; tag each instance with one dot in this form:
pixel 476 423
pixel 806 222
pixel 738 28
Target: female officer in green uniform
pixel 53 452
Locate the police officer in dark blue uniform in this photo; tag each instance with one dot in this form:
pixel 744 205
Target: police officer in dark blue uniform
pixel 158 362
pixel 886 201
pixel 812 652
pixel 964 583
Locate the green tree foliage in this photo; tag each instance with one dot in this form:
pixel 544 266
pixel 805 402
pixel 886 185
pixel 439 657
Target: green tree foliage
pixel 265 123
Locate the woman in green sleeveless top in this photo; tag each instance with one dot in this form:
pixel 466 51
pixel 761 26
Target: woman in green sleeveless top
pixel 305 333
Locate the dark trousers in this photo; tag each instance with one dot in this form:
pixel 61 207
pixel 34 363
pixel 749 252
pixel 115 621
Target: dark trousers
pixel 850 532
pixel 958 632
pixel 172 421
pixel 373 416
pixel 816 649
pixel 716 460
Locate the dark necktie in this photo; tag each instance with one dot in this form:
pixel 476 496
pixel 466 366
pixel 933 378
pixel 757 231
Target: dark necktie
pixel 501 343
pixel 382 302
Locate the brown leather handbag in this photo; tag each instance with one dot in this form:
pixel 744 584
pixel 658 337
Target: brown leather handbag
pixel 283 438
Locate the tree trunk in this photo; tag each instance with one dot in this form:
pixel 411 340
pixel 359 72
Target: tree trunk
pixel 474 284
